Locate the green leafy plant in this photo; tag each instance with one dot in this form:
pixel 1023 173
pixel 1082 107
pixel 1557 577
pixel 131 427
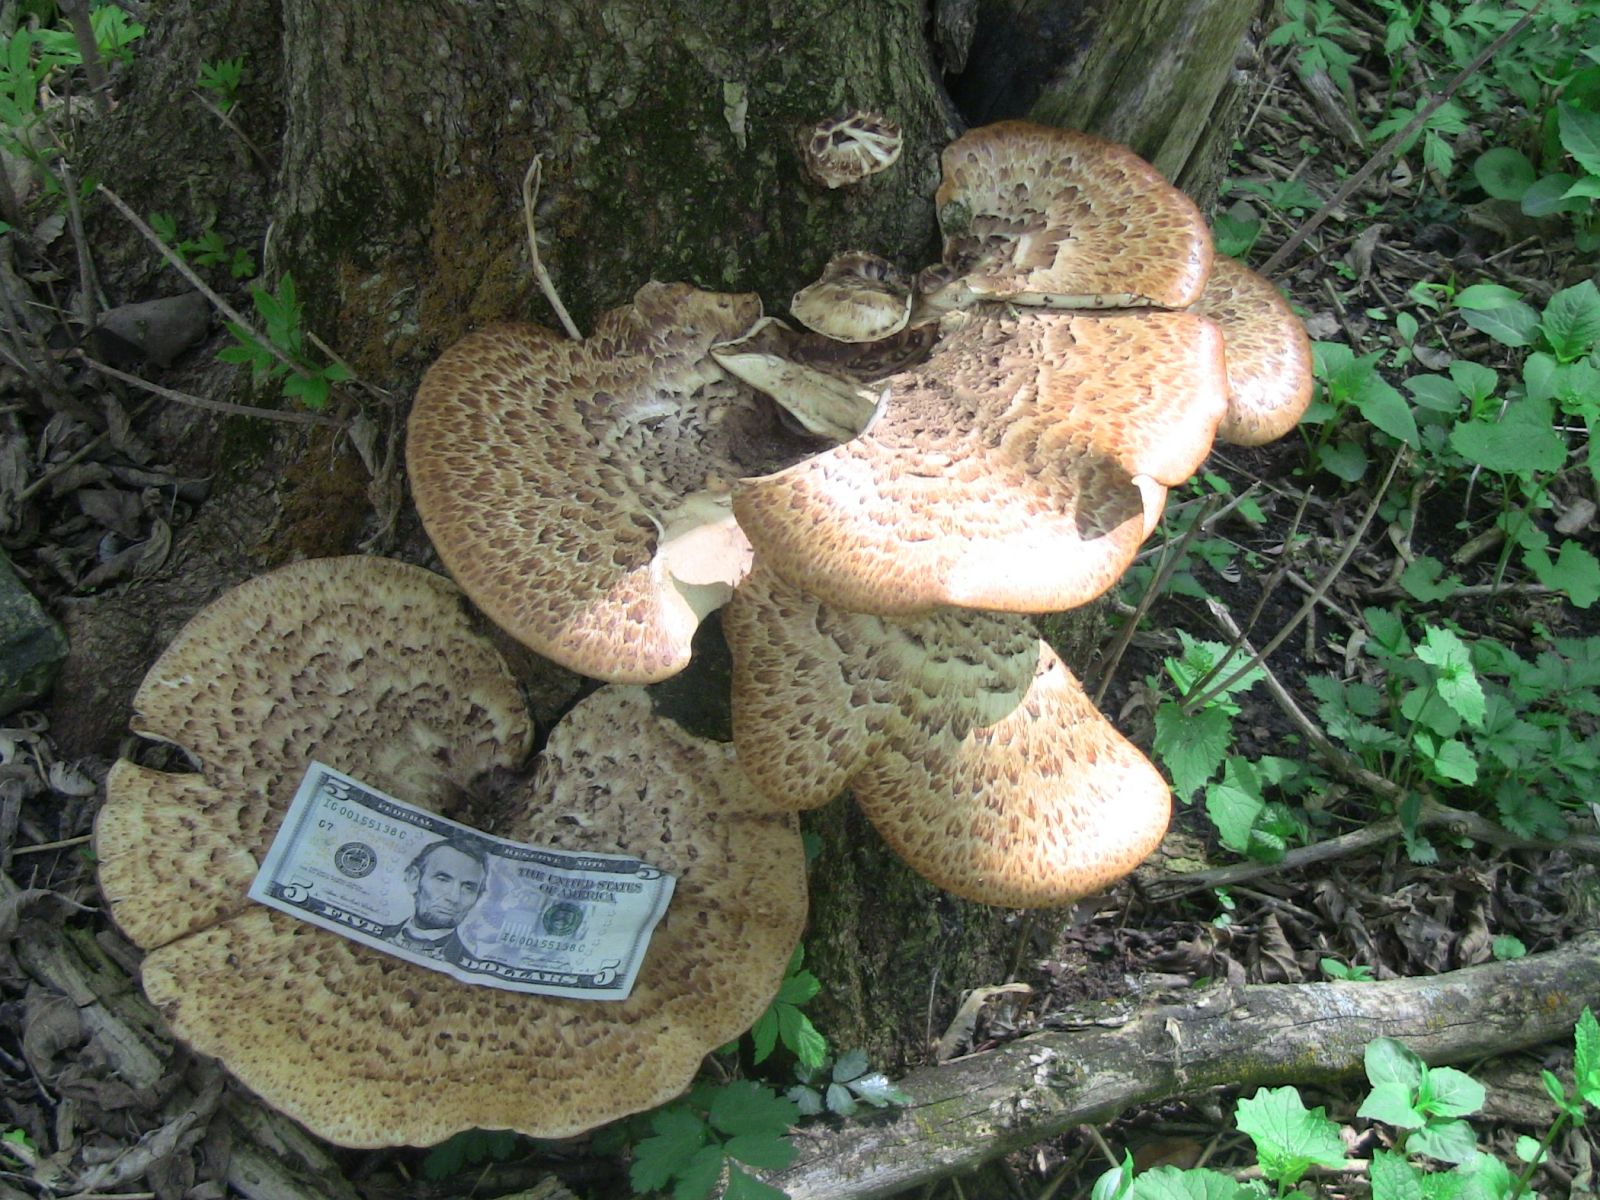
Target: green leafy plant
pixel 1289 1138
pixel 1318 33
pixel 712 1131
pixel 842 1087
pixel 783 1021
pixel 280 311
pixel 1472 720
pixel 469 1148
pixel 1194 745
pixel 1349 383
pixel 222 79
pixel 1354 973
pixel 207 250
pixel 30 56
pixel 1425 1106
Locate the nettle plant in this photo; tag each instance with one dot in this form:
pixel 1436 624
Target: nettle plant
pixel 1432 1153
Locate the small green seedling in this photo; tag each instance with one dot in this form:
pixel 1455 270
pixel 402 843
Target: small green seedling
pixel 842 1089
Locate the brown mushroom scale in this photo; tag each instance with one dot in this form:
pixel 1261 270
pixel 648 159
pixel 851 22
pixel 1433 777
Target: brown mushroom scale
pixel 374 668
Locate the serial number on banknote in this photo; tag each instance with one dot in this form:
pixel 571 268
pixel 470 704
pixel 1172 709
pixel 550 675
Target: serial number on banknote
pixel 440 894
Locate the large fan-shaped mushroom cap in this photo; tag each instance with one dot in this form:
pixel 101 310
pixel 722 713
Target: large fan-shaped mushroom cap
pixel 354 660
pixel 1268 353
pixel 1038 215
pixel 963 737
pixel 560 480
pixel 1018 469
pixel 367 1049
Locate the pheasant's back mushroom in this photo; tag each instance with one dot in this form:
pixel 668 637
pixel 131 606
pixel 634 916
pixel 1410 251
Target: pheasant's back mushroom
pixel 351 660
pixel 1268 353
pixel 1018 468
pixel 578 491
pixel 861 297
pixel 842 151
pixel 370 1050
pixel 1038 215
pixel 965 740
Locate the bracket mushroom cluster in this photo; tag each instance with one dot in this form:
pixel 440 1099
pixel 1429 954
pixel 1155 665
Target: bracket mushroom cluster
pixel 375 668
pixel 1006 426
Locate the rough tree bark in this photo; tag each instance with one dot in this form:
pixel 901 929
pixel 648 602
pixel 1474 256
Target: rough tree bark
pixel 386 145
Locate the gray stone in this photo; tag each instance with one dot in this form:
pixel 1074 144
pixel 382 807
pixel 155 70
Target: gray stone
pixel 32 646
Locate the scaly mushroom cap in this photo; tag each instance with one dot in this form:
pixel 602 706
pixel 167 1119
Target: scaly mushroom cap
pixel 963 737
pixel 821 383
pixel 369 1050
pixel 367 664
pixel 1039 215
pixel 861 297
pixel 555 477
pixel 844 150
pixel 1018 469
pixel 1268 353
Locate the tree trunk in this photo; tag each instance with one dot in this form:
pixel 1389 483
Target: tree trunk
pixel 380 155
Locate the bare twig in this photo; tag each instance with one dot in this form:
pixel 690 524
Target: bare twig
pixel 1171 557
pixel 233 127
pixel 77 14
pixel 530 193
pixel 1377 836
pixel 1197 700
pixel 91 299
pixel 287 416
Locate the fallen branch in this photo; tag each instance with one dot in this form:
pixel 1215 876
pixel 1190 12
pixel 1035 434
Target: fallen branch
pixel 966 1112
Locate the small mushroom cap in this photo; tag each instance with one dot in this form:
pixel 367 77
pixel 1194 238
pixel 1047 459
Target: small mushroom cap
pixel 861 297
pixel 1268 354
pixel 369 1050
pixel 963 737
pixel 545 470
pixel 1018 469
pixel 844 150
pixel 354 660
pixel 1039 215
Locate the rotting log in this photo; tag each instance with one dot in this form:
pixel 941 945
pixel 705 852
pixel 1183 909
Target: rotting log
pixel 971 1110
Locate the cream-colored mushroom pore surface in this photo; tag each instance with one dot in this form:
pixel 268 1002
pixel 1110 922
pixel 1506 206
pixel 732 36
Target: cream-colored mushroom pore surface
pixel 368 665
pixel 1001 473
pixel 1044 215
pixel 964 738
pixel 1268 353
pixel 543 469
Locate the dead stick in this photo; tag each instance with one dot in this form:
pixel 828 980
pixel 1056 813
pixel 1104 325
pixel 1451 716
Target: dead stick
pixel 969 1111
